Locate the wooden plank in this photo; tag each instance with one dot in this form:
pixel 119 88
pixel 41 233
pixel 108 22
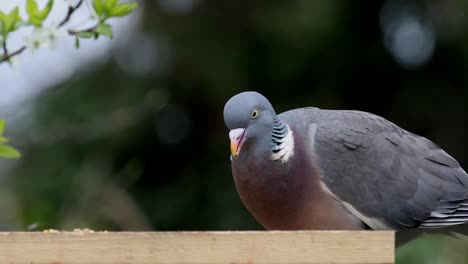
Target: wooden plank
pixel 197 247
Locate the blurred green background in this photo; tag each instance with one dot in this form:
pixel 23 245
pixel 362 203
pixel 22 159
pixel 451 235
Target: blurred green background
pixel 137 141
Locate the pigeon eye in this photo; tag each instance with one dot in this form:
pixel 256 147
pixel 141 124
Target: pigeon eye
pixel 254 113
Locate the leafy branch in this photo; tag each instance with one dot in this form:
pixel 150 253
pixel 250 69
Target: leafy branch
pixel 71 10
pixel 6 151
pixel 12 21
pixel 103 9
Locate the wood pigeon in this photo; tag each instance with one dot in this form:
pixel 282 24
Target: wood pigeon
pixel 310 168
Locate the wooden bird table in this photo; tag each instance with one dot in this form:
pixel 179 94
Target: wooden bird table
pixel 89 247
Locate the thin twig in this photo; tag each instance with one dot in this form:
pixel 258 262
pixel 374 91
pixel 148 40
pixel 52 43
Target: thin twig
pixel 5 50
pixel 71 10
pixel 7 57
pixel 76 32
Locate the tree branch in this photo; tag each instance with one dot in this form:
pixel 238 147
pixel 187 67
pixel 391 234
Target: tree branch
pixel 5 50
pixel 76 32
pixel 71 10
pixel 7 56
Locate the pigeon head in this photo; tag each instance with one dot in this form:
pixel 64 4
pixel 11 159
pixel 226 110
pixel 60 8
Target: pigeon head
pixel 249 116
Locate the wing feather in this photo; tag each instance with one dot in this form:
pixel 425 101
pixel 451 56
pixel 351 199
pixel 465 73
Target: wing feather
pixel 387 173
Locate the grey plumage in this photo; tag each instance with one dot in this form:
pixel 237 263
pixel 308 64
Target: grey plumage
pixel 348 164
pixel 386 172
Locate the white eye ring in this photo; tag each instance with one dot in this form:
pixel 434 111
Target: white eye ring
pixel 254 114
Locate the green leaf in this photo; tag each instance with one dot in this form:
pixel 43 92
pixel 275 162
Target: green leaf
pixel 2 126
pixel 31 8
pixel 45 12
pixel 5 150
pixel 2 16
pixel 98 7
pixel 110 4
pixel 123 9
pixel 9 22
pixel 9 152
pixel 85 34
pixel 15 19
pixel 35 21
pixel 104 29
pixel 36 17
pixel 77 42
pixel 3 21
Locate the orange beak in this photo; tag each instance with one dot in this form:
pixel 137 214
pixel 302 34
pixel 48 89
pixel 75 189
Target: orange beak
pixel 234 145
pixel 237 138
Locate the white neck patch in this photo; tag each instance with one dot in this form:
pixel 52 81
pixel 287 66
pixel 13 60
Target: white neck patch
pixel 284 150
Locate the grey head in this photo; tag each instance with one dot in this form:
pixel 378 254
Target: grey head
pixel 250 117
